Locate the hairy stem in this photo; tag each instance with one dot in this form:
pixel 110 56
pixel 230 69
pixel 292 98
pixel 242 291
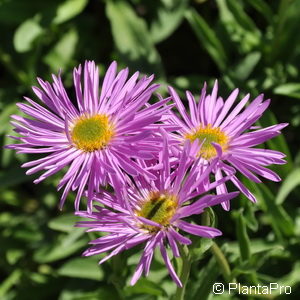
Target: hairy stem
pixel 222 261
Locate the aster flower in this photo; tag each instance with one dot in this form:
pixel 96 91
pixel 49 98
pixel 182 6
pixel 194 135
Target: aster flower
pixel 152 211
pixel 230 127
pixel 96 135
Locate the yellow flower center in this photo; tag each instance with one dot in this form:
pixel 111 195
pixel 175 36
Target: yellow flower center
pixel 209 134
pixel 92 133
pixel 159 207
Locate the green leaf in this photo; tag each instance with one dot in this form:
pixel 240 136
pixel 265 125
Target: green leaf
pixel 13 255
pixel 244 269
pixel 278 143
pixel 244 69
pixel 64 223
pixel 68 10
pixel 207 38
pixel 102 293
pixel 13 176
pixel 285 36
pixel 168 17
pixel 198 251
pixel 257 246
pixel 242 236
pixel 249 213
pixel 5 116
pixel 280 220
pixel 10 281
pixel 83 267
pixel 291 279
pixel 7 155
pixel 291 89
pixel 63 247
pixel 288 184
pixel 61 54
pixel 145 286
pixel 263 7
pixel 206 277
pixel 241 29
pixel 26 34
pixel 132 38
pixel 189 82
pixel 241 17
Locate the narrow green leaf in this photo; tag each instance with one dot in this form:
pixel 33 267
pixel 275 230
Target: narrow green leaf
pixel 242 18
pixel 257 246
pixel 222 262
pixel 241 29
pixel 263 7
pixel 291 89
pixel 291 279
pixel 10 281
pixel 288 184
pixel 207 38
pixel 280 221
pixel 278 143
pixel 200 246
pixel 5 117
pixel 244 69
pixel 286 31
pixel 249 213
pixel 206 277
pixel 278 215
pixel 242 236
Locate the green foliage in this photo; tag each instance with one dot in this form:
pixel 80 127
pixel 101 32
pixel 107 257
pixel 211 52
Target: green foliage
pixel 132 38
pixel 208 38
pixel 250 44
pixel 26 34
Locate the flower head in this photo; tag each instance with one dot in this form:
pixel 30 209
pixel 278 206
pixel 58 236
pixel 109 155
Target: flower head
pixel 96 135
pixel 213 120
pixel 152 211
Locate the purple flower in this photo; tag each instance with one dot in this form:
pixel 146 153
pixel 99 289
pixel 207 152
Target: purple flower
pixel 230 127
pixel 152 211
pixel 96 135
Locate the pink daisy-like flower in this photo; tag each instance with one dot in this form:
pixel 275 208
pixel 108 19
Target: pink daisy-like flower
pixel 96 135
pixel 213 120
pixel 151 212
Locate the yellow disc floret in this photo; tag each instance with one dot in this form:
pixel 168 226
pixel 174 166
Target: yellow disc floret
pixel 92 133
pixel 209 134
pixel 159 207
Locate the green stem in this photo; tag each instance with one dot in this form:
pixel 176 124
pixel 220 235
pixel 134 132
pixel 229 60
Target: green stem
pixel 185 272
pixel 222 261
pixel 116 277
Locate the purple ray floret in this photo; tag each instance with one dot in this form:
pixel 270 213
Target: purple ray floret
pixel 213 120
pixel 96 134
pixel 151 211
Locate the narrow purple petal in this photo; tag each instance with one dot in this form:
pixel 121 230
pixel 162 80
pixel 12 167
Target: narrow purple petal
pixel 204 231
